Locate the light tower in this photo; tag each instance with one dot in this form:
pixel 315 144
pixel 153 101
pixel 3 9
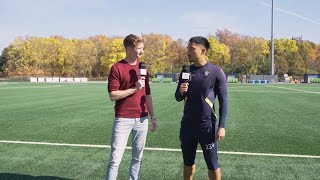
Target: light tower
pixel 272 43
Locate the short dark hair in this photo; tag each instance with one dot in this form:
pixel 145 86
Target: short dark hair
pixel 200 40
pixel 132 40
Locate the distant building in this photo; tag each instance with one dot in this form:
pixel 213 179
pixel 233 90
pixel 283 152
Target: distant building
pixel 299 39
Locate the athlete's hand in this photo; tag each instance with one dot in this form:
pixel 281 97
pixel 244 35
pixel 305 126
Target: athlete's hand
pixel 221 134
pixel 183 87
pixel 153 124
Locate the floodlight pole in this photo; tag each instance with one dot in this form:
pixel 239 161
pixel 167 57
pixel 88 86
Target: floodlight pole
pixel 272 43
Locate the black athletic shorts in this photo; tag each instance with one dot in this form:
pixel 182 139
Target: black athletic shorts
pixel 209 145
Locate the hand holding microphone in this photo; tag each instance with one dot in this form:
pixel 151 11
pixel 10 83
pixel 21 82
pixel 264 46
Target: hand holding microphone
pixel 143 73
pixel 184 88
pixel 140 83
pixel 185 77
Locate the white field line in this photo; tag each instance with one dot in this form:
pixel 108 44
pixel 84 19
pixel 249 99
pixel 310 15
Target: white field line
pixel 312 92
pixel 31 87
pixel 159 149
pixel 283 92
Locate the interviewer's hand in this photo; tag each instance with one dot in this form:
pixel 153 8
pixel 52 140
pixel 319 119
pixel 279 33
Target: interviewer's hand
pixel 221 134
pixel 140 83
pixel 183 88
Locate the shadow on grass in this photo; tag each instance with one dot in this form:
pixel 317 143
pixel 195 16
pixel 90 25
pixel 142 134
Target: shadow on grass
pixel 9 176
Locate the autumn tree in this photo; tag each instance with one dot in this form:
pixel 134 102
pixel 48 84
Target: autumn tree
pixel 284 50
pixel 157 53
pixel 101 43
pixel 306 56
pixel 218 53
pixel 177 56
pixel 93 57
pixel 114 52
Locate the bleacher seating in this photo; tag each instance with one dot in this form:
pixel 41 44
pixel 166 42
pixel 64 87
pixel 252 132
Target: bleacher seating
pixel 260 81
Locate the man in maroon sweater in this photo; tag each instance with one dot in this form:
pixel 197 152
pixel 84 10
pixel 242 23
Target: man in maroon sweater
pixel 131 91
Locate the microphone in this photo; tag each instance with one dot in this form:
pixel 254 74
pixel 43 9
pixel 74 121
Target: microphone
pixel 142 69
pixel 185 73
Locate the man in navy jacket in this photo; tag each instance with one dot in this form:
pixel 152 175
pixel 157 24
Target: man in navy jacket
pixel 198 124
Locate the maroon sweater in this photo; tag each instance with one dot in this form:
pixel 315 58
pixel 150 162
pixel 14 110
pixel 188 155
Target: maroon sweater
pixel 123 76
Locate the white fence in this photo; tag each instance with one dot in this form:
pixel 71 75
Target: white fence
pixel 63 79
pixel 69 79
pixel 55 79
pixel 58 79
pixel 33 79
pixel 41 79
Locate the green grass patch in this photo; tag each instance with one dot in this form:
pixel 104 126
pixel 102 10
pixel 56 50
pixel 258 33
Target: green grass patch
pixel 56 162
pixel 272 118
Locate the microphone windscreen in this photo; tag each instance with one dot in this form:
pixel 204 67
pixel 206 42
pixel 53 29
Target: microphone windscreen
pixel 185 73
pixel 142 65
pixel 185 68
pixel 142 69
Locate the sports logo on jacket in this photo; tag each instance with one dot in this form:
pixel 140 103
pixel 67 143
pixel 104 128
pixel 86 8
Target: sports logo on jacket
pixel 206 73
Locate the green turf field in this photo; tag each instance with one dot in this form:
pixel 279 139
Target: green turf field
pixel 275 118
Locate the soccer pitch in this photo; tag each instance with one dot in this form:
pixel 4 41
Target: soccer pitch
pixel 272 132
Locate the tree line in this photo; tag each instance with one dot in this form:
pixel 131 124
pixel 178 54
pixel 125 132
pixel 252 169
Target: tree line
pixel 93 57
